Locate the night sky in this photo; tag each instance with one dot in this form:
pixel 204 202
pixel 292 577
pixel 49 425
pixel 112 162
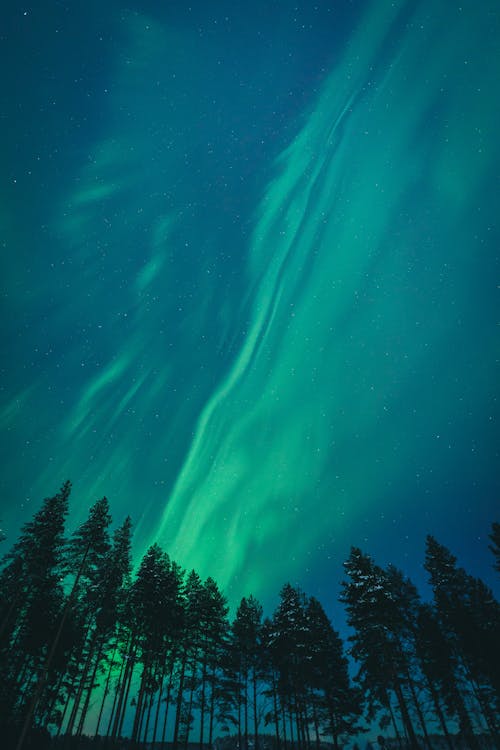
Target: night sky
pixel 249 278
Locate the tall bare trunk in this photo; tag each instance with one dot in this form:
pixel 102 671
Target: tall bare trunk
pixel 105 692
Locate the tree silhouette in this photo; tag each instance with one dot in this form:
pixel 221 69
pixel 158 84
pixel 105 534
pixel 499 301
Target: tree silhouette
pixel 155 657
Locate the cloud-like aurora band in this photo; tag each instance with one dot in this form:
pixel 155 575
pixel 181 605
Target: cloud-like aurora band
pixel 340 332
pixel 262 380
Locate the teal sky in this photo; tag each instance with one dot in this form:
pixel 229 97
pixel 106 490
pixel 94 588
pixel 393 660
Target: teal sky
pixel 250 279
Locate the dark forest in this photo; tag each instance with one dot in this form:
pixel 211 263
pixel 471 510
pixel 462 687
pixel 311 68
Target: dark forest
pixel 93 654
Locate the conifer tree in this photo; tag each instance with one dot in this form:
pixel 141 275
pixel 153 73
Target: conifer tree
pixel 32 605
pixel 215 628
pixel 470 618
pixel 270 674
pixel 438 666
pixel 246 631
pixel 109 604
pixel 76 631
pixel 153 595
pixel 289 651
pixel 376 645
pixel 188 662
pixel 336 703
pixel 402 606
pixel 87 559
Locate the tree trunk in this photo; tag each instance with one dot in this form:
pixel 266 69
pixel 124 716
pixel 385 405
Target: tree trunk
pixel 276 713
pixel 105 692
pixel 484 706
pixel 418 708
pixel 255 712
pixel 465 722
pixel 412 737
pixel 160 691
pixel 178 711
pixel 66 706
pixel 212 707
pixel 151 701
pixel 55 642
pixel 190 704
pixel 315 723
pixel 438 710
pixel 283 719
pixel 202 704
pixel 117 692
pixel 245 713
pixel 149 704
pixel 167 703
pixel 297 721
pixel 53 702
pixel 307 737
pixel 125 702
pixel 140 700
pixel 114 719
pixel 83 676
pixel 393 720
pixel 90 690
pixel 240 704
pixel 124 693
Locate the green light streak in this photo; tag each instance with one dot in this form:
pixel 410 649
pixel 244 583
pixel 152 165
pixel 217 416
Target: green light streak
pixel 246 425
pixel 287 445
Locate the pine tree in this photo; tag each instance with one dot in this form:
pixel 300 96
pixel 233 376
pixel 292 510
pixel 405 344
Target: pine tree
pixel 213 645
pixel 336 703
pixel 87 560
pixel 270 674
pixel 171 615
pixel 109 604
pixel 189 658
pixel 246 637
pixel 289 651
pixel 402 606
pixel 438 665
pixel 32 606
pixel 470 618
pixel 151 599
pixel 376 645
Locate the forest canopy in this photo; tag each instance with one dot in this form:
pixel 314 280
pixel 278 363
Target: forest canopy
pixel 91 649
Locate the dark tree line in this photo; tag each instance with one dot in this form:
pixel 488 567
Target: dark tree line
pixel 89 649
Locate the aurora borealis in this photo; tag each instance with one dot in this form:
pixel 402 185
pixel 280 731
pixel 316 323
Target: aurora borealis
pixel 249 278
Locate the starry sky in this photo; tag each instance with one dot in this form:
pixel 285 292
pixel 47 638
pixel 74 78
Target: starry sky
pixel 249 278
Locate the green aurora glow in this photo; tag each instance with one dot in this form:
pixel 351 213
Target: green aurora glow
pixel 340 331
pixel 265 367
